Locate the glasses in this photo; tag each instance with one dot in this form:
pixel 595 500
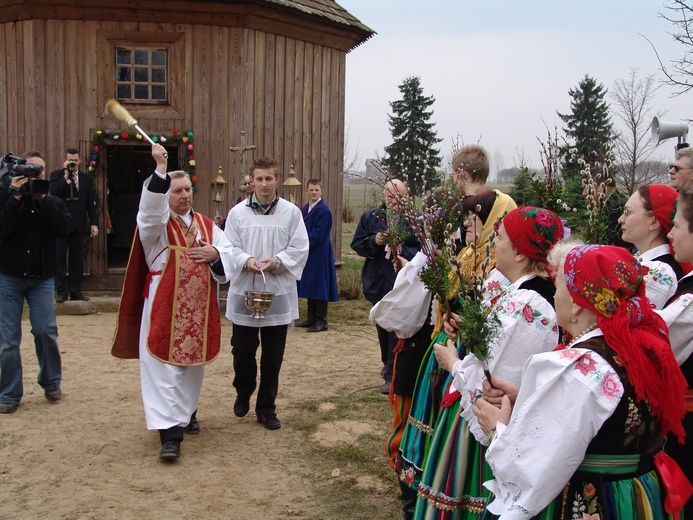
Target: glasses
pixel 676 168
pixel 627 212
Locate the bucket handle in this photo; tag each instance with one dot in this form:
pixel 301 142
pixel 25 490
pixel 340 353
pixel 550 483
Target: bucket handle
pixel 264 281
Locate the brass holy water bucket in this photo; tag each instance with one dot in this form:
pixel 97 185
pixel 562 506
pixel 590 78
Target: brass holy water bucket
pixel 258 301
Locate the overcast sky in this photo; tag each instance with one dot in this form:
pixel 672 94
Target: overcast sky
pixel 499 69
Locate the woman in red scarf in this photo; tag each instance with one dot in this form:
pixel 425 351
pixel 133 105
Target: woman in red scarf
pixel 585 435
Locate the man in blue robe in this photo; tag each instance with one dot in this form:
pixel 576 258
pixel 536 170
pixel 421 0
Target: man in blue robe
pixel 319 281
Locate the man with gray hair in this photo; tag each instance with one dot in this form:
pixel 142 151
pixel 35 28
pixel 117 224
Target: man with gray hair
pixel 378 273
pixel 681 172
pixel 169 304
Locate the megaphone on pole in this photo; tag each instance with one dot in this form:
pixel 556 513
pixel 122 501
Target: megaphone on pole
pixel 662 130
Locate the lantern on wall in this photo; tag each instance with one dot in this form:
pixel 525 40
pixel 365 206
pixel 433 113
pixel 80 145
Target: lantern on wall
pixel 218 191
pixel 291 186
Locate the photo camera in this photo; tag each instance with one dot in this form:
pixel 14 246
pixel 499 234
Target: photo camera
pixel 11 166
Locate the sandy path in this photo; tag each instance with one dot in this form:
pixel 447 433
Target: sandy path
pixel 89 456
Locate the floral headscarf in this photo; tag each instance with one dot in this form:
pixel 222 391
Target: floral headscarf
pixel 608 280
pixel 663 200
pixel 533 231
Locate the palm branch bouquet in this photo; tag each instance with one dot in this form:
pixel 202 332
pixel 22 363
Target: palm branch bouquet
pixel 479 324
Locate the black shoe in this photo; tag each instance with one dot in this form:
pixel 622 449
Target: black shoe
pixel 8 407
pixel 62 298
pixel 318 327
pixel 78 296
pixel 193 427
pixel 170 450
pixel 386 388
pixel 53 395
pixel 269 421
pixel 241 407
pixel 308 323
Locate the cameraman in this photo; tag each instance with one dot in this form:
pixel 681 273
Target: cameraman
pixel 76 189
pixel 29 224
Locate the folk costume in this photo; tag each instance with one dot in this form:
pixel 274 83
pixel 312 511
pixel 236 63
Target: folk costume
pixel 586 432
pixel 417 436
pixel 168 315
pixel 678 315
pixel 664 270
pixel 320 286
pixel 454 469
pixel 276 232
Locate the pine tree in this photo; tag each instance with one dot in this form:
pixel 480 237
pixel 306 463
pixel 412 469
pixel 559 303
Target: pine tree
pixel 588 126
pixel 412 155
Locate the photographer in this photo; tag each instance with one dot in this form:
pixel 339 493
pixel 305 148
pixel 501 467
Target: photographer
pixel 76 189
pixel 30 221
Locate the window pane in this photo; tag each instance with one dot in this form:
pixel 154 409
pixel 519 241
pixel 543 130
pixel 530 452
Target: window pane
pixel 123 57
pixel 159 93
pixel 123 92
pixel 141 57
pixel 158 57
pixel 141 74
pixel 123 74
pixel 141 92
pixel 158 75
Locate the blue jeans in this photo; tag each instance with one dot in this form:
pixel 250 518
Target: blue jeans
pixel 39 295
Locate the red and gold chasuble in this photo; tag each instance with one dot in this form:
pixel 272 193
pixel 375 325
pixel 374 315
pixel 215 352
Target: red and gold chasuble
pixel 185 327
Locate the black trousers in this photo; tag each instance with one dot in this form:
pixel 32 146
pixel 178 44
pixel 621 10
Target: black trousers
pixel 387 341
pixel 245 342
pixel 70 260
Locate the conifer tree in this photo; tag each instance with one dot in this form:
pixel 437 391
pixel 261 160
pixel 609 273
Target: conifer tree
pixel 588 126
pixel 412 155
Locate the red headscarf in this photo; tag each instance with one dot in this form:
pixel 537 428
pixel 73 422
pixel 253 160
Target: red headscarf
pixel 663 200
pixel 608 280
pixel 533 231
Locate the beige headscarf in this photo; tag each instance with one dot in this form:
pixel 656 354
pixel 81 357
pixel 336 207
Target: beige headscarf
pixel 468 256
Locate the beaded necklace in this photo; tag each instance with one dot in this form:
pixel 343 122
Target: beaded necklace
pixel 589 329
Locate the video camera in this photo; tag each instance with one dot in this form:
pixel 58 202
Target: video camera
pixel 12 166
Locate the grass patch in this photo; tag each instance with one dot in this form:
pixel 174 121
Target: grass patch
pixel 366 487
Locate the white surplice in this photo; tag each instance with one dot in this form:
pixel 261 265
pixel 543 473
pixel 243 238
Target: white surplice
pixel 170 393
pixel 281 233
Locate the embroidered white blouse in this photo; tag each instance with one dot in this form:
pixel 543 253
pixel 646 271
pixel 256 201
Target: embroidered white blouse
pixel 660 282
pixel 678 316
pixel 565 398
pixel 528 326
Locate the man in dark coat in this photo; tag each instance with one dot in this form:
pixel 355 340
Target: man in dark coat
pixel 319 281
pixel 76 188
pixel 378 274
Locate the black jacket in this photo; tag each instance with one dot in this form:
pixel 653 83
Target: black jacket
pixel 80 203
pixel 28 230
pixel 378 274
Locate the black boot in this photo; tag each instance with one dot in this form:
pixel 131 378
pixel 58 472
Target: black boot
pixel 310 321
pixel 320 316
pixel 408 500
pixel 170 442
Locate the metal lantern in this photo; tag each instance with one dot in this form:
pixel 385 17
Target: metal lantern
pixel 291 186
pixel 218 190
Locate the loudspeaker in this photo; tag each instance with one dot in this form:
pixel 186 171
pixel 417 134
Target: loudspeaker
pixel 662 130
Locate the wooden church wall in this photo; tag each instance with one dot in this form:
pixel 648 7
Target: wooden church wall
pixel 286 94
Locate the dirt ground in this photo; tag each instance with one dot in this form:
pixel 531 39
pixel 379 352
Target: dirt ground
pixel 90 456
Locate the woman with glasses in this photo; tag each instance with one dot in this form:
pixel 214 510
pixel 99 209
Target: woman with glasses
pixel 645 222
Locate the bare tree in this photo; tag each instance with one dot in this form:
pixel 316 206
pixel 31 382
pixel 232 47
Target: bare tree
pixel 680 73
pixel 633 147
pixel 498 162
pixel 352 155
